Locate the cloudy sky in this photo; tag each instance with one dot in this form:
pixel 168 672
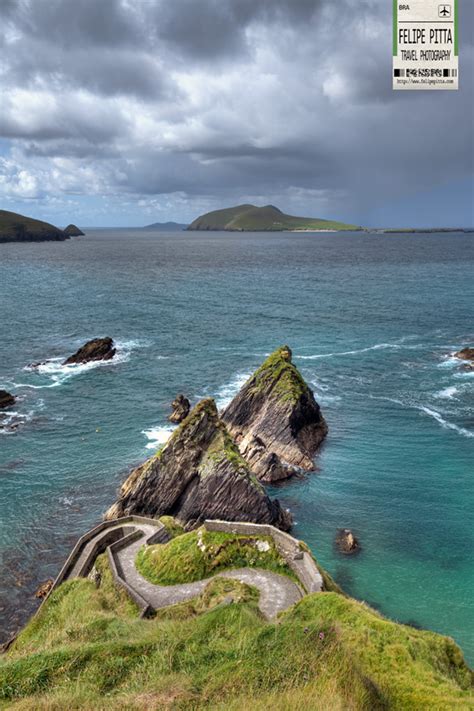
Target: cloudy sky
pixel 125 112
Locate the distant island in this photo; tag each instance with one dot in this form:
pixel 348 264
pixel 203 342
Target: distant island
pixel 249 218
pixel 166 227
pixel 19 228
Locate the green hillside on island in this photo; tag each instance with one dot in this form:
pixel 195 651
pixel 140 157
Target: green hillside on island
pixel 19 228
pixel 89 649
pixel 249 218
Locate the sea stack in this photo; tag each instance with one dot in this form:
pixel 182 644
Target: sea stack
pixel 73 231
pixel 275 420
pixel 198 474
pixel 6 399
pixel 97 349
pixel 181 407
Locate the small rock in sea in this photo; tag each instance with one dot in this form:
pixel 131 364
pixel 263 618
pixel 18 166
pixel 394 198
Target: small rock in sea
pixel 96 349
pixel 73 231
pixel 346 542
pixel 6 399
pixel 181 407
pixel 44 589
pixel 465 353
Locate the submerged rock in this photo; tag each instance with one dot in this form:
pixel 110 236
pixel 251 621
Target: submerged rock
pixel 198 474
pixel 181 407
pixel 44 589
pixel 275 420
pixel 73 231
pixel 97 349
pixel 346 542
pixel 6 399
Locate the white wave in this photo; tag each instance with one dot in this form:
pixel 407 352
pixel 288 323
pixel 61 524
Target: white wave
pixel 11 420
pixel 158 435
pixel 225 393
pixel 450 362
pixel 447 393
pixel 428 411
pixel 444 423
pixel 58 373
pixel 376 347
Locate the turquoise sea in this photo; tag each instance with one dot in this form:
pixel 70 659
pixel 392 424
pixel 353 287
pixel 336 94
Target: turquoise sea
pixel 372 321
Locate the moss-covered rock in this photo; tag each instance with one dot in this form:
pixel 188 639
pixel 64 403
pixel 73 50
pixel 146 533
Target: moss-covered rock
pixel 275 419
pixel 198 474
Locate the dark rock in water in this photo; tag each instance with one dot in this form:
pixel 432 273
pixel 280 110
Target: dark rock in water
pixel 275 420
pixel 198 474
pixel 6 399
pixel 97 349
pixel 44 588
pixel 465 354
pixel 73 231
pixel 181 407
pixel 346 542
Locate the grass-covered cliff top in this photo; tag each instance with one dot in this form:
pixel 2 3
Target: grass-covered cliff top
pixel 249 218
pixel 19 228
pixel 88 649
pixel 201 554
pixel 277 375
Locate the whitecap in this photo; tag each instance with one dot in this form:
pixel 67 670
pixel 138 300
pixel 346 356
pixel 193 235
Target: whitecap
pixel 445 423
pixel 376 347
pixel 447 393
pixel 226 393
pixel 58 373
pixel 158 436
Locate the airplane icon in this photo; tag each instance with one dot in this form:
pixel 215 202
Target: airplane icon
pixel 444 10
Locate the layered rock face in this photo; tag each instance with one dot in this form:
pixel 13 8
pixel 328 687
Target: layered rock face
pixel 181 407
pixel 97 349
pixel 275 420
pixel 198 474
pixel 6 399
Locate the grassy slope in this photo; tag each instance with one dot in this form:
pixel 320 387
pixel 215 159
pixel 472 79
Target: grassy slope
pixel 89 650
pixel 269 218
pixel 182 560
pixel 15 227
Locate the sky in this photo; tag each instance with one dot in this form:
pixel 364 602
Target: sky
pixel 127 112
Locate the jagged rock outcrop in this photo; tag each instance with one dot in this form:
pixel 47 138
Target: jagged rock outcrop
pixel 181 407
pixel 198 474
pixel 466 354
pixel 346 542
pixel 275 420
pixel 73 231
pixel 6 399
pixel 97 349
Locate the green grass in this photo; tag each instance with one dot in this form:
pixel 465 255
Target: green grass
pixel 278 374
pixel 18 228
pixel 89 650
pixel 249 218
pixel 183 560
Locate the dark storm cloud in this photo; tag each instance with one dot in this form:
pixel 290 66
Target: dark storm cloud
pixel 223 97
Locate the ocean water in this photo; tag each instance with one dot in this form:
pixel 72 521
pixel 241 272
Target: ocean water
pixel 372 321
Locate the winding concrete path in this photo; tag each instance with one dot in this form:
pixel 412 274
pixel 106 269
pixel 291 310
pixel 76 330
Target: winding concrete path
pixel 277 592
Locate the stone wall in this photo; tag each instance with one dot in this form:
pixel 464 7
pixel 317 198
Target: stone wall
pixel 300 562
